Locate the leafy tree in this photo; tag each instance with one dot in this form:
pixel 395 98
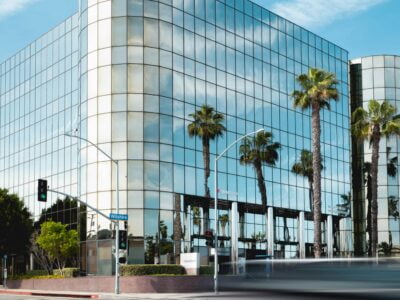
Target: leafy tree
pixel 318 87
pixel 16 225
pixel 59 243
pixel 304 168
pixel 256 151
pixel 40 255
pixel 379 120
pixel 208 125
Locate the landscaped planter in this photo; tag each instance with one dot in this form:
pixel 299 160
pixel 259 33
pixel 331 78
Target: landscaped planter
pixel 129 284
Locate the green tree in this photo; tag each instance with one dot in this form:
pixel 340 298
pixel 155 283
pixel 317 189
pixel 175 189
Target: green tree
pixel 208 125
pixel 318 87
pixel 16 225
pixel 257 151
pixel 304 168
pixel 379 120
pixel 59 243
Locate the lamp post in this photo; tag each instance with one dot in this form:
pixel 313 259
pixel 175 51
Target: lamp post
pixel 117 208
pixel 216 203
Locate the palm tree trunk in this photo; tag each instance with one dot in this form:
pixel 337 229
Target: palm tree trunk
pixel 374 189
pixel 311 191
pixel 206 159
pixel 316 162
pixel 177 228
pixel 261 184
pixel 369 220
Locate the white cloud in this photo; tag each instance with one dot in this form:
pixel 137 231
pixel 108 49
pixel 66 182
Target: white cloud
pixel 313 13
pixel 9 7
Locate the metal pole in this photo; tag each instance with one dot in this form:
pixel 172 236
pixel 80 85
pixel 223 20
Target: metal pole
pixel 5 272
pixel 216 204
pixel 117 238
pixel 117 208
pixel 216 226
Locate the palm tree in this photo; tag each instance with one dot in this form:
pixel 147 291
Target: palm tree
pixel 318 87
pixel 304 168
pixel 223 221
pixel 257 151
pixel 370 125
pixel 207 125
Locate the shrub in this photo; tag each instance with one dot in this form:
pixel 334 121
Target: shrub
pixel 140 270
pixel 206 270
pixel 68 272
pixel 36 273
pixel 26 276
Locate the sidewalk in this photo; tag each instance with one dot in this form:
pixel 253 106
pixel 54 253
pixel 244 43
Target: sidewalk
pixel 108 296
pixel 66 294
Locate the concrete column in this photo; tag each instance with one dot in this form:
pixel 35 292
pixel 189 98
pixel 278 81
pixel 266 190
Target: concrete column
pixel 234 236
pixel 188 223
pixel 329 236
pixel 302 240
pixel 270 231
pixel 31 262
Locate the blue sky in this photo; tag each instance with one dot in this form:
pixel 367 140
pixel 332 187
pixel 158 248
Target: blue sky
pixel 363 27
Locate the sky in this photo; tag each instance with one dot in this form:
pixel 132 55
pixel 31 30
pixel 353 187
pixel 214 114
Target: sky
pixel 363 27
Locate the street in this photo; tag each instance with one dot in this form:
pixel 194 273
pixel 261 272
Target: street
pixel 384 294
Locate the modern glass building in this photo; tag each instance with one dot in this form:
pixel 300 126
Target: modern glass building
pixel 376 77
pixel 125 75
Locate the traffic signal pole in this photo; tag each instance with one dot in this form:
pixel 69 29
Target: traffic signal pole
pixel 116 222
pixel 117 236
pixel 117 208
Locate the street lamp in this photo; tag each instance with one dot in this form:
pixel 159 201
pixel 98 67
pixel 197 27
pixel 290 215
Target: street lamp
pixel 216 204
pixel 117 222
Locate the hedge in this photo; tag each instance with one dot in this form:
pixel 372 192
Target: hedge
pixel 206 270
pixel 140 270
pixel 36 273
pixel 26 276
pixel 68 272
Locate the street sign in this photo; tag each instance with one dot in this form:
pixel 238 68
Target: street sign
pixel 119 217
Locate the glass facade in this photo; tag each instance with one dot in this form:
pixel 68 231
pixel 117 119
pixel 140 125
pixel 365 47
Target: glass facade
pixel 376 77
pixel 38 102
pixel 144 66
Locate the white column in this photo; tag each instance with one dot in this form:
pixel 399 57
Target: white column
pixel 234 236
pixel 270 231
pixel 329 236
pixel 188 223
pixel 31 262
pixel 302 243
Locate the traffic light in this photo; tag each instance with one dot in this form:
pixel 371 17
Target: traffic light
pixel 123 240
pixel 42 190
pixel 209 238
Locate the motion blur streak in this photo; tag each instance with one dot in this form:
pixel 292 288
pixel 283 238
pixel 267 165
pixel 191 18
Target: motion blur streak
pixel 370 278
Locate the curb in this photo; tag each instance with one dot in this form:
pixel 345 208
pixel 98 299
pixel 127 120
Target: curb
pixel 49 294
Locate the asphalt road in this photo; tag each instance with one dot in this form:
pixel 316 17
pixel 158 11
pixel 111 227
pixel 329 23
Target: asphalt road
pixel 222 296
pixel 225 296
